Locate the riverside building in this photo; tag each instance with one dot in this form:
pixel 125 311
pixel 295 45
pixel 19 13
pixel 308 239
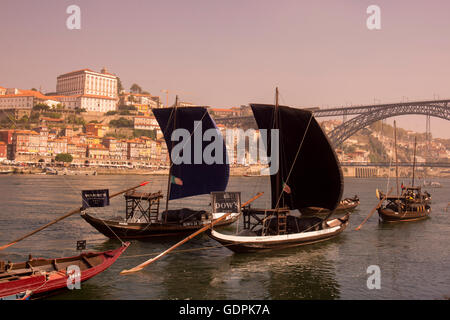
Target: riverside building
pixel 89 90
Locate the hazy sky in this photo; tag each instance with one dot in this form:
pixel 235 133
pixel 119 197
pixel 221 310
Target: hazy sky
pixel 233 52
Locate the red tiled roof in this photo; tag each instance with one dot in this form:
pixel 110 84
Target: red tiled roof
pixel 73 72
pixel 98 147
pixel 223 110
pixel 97 96
pixel 85 70
pixel 25 132
pixel 145 117
pixel 51 119
pixel 27 93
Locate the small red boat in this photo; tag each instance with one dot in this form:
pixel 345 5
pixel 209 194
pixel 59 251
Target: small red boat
pixel 38 277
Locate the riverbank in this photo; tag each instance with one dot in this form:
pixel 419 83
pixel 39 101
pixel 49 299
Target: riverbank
pixel 96 171
pixel 404 173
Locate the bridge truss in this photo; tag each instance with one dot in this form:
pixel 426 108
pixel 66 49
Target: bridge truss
pixel 371 114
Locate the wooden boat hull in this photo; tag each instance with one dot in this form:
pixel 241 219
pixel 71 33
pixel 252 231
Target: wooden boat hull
pixel 243 244
pixel 389 215
pixel 124 230
pixel 49 275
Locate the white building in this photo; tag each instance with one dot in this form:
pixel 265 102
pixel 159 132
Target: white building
pixel 89 90
pixel 25 99
pixel 87 82
pixel 147 123
pixel 89 102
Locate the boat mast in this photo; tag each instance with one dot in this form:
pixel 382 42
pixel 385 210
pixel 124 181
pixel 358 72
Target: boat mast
pixel 170 159
pixel 396 164
pixel 278 190
pixel 414 161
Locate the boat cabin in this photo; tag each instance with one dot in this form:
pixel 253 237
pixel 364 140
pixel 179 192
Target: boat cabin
pixel 142 205
pixel 266 222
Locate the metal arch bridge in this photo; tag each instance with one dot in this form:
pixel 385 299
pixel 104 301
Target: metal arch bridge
pixel 370 114
pixel 400 164
pixel 366 115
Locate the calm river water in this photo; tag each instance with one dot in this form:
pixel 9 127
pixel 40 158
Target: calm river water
pixel 414 257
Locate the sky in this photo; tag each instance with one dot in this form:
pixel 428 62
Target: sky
pixel 234 52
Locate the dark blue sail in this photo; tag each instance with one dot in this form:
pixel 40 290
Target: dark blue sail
pixel 193 177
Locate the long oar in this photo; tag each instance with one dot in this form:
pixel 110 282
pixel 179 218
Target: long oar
pixel 67 215
pixel 373 210
pixel 149 261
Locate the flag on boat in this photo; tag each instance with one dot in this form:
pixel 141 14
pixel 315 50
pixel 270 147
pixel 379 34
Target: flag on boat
pixel 286 188
pixel 377 193
pixel 176 180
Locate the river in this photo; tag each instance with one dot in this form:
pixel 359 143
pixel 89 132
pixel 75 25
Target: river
pixel 413 257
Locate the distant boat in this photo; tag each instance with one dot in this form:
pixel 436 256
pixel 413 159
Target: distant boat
pixel 435 184
pixel 185 180
pixel 411 204
pixel 346 205
pixel 309 175
pixel 40 277
pixel 6 171
pixel 432 184
pixel 260 174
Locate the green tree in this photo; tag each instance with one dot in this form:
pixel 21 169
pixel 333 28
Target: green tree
pixel 41 107
pixel 126 107
pixel 64 157
pixel 146 133
pixel 122 123
pixel 119 86
pixel 135 88
pixel 53 115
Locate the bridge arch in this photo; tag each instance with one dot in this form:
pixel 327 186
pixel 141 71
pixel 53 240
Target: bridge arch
pixel 349 128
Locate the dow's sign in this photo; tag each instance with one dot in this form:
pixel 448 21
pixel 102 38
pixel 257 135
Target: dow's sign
pixel 226 201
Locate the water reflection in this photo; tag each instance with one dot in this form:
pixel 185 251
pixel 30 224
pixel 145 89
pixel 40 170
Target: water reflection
pixel 219 274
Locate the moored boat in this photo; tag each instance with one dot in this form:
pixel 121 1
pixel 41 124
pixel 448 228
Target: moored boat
pixel 306 160
pixel 39 277
pixel 345 205
pixel 300 231
pixel 190 177
pixel 436 184
pixel 409 205
pixel 147 223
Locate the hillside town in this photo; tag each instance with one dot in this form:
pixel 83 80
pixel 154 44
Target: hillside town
pixel 91 121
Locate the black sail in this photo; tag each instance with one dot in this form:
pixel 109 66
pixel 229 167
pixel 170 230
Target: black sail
pixel 316 177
